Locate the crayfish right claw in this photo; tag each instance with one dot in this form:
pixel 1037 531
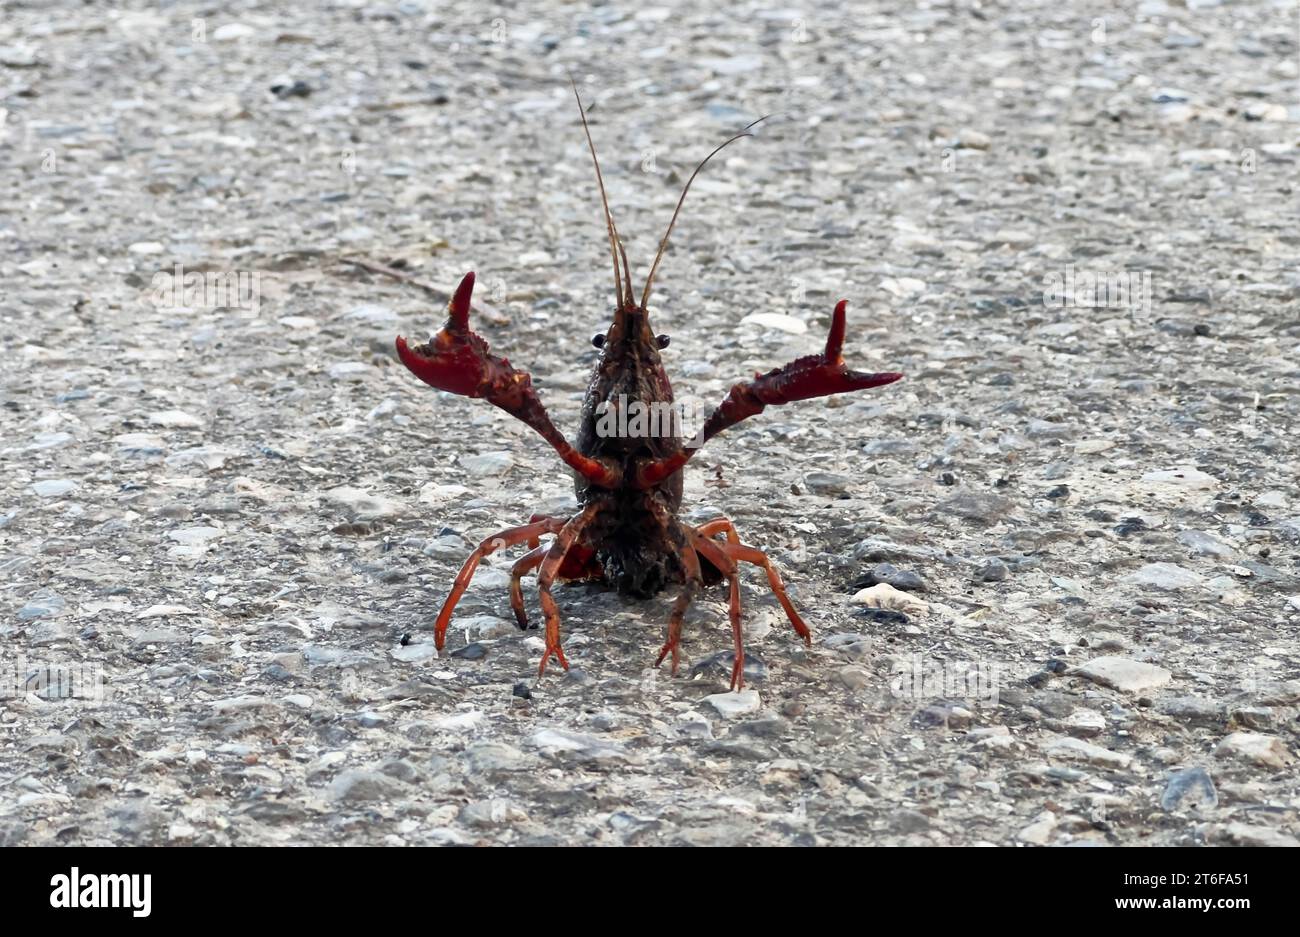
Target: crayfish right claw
pixel 458 361
pixel 455 360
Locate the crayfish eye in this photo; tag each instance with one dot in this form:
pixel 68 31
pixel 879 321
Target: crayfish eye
pixel 598 340
pixel 662 340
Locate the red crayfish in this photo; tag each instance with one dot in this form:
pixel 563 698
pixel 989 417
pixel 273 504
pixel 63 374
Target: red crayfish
pixel 628 485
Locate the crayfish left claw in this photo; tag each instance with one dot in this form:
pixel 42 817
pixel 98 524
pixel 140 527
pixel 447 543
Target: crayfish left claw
pixel 802 379
pixel 810 376
pixel 818 375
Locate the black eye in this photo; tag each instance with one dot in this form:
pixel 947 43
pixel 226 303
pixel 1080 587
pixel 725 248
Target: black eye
pixel 662 340
pixel 598 340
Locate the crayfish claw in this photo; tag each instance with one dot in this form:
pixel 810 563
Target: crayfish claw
pixel 819 375
pixel 455 359
pixel 451 361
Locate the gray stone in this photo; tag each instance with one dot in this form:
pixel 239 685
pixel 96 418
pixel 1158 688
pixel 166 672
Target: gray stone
pixel 1084 723
pixel 1072 749
pixel 490 759
pixel 362 505
pixel 1043 429
pixel 1164 576
pixel 1039 832
pixel 486 465
pixel 42 604
pixel 1289 529
pixel 492 813
pixel 1248 834
pixel 1193 710
pixel 1252 717
pixel 472 651
pixel 360 785
pixel 1191 788
pixel 1123 674
pixel 738 703
pixel 1265 751
pixel 565 744
pixel 415 652
pixel 827 484
pixel 54 487
pixel 1205 544
pixel 981 507
pixel 855 678
pixel 903 579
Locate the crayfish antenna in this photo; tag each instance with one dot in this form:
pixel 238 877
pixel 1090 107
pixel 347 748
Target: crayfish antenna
pixel 649 281
pixel 615 245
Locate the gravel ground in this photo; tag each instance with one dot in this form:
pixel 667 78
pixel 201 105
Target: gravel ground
pixel 243 514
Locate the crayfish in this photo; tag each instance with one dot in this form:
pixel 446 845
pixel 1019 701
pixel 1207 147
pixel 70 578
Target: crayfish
pixel 626 533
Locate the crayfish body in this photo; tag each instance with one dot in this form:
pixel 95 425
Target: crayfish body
pixel 629 485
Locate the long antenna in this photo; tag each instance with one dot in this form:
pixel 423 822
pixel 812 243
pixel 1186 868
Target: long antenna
pixel 645 295
pixel 609 219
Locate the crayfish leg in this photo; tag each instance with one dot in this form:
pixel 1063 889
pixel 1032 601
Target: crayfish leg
pixel 716 554
pixel 720 525
pixel 691 563
pixel 546 576
pixel 737 634
pixel 725 556
pixel 510 537
pixel 579 564
pixel 744 554
pixel 522 568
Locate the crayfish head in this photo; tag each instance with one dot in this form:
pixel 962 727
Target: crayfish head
pixel 630 333
pixel 628 411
